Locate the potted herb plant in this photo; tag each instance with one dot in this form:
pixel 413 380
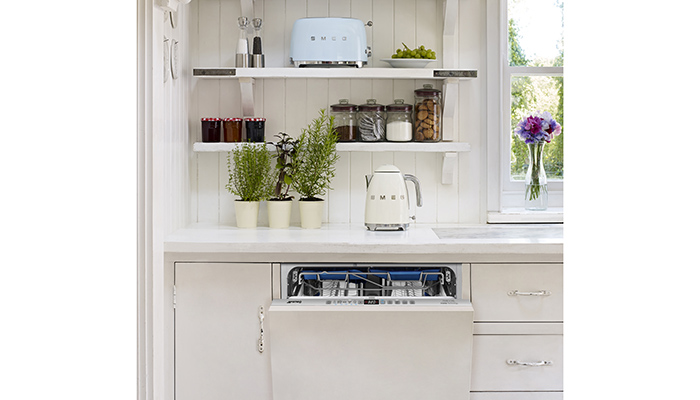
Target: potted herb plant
pixel 279 206
pixel 250 178
pixel 314 168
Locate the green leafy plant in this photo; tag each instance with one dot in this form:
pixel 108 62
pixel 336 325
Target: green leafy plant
pixel 315 158
pixel 249 174
pixel 286 147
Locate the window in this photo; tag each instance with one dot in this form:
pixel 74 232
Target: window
pixel 529 55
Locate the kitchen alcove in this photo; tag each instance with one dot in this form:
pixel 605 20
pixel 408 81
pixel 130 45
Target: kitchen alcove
pixel 447 79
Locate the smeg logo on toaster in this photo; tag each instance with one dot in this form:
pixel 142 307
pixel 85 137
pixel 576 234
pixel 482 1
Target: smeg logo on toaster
pixel 333 38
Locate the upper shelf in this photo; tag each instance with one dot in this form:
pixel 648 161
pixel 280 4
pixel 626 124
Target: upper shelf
pixel 366 73
pixel 439 147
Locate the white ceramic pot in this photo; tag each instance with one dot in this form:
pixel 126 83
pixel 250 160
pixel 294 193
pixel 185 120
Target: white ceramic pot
pixel 279 212
pixel 247 213
pixel 311 213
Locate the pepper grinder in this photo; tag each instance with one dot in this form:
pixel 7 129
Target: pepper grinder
pixel 257 59
pixel 242 50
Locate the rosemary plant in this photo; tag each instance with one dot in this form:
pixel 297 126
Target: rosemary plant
pixel 249 174
pixel 315 158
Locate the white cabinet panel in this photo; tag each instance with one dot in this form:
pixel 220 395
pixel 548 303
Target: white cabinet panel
pixel 513 363
pixel 217 328
pixel 518 292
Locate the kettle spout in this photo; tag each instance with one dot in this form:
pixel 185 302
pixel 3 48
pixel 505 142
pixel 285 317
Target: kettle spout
pixel 368 178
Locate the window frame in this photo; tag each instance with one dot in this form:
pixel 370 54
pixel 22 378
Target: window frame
pixel 505 196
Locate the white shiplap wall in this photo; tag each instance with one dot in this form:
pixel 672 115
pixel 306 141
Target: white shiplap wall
pixel 290 104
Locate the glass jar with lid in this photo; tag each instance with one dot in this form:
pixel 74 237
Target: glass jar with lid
pixel 428 114
pixel 371 121
pixel 399 125
pixel 345 122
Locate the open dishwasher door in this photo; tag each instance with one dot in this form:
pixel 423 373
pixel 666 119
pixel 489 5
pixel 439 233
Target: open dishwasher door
pixel 375 347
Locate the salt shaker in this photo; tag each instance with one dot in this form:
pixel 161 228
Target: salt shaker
pixel 242 50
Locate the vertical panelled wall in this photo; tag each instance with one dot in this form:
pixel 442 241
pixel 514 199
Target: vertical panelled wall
pixel 176 98
pixel 290 104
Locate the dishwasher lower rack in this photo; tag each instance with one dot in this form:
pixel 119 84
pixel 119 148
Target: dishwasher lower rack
pixel 371 280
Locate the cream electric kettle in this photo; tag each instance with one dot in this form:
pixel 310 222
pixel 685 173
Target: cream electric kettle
pixel 386 205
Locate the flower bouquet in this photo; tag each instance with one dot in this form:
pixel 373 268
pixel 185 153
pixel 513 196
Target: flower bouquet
pixel 536 130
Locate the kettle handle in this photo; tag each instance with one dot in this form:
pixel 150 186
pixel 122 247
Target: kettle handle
pixel 419 196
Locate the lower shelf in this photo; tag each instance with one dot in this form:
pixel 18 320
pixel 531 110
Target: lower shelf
pixel 439 147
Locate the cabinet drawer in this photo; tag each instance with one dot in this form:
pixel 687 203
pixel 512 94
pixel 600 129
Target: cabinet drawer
pixel 500 363
pixel 517 396
pixel 518 292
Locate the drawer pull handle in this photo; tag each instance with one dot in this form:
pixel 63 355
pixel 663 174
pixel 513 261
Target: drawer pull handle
pixel 529 363
pixel 537 293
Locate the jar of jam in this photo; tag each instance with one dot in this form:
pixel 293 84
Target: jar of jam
pixel 233 129
pixel 371 122
pixel 255 129
pixel 399 125
pixel 344 120
pixel 428 114
pixel 211 130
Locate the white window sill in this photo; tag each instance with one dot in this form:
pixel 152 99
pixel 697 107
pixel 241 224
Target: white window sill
pixel 553 215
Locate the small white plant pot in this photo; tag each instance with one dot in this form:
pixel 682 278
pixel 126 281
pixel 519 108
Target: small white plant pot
pixel 279 212
pixel 311 214
pixel 247 213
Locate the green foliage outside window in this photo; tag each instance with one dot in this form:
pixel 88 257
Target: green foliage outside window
pixel 528 95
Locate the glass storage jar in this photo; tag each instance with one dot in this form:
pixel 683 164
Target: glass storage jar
pixel 211 130
pixel 233 129
pixel 345 122
pixel 428 114
pixel 371 122
pixel 399 126
pixel 255 129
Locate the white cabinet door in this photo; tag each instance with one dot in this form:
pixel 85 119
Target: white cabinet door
pixel 518 292
pixel 518 363
pixel 217 328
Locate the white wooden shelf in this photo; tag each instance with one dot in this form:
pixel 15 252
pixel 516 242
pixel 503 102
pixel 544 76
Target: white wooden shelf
pixel 449 150
pixel 331 73
pixel 439 147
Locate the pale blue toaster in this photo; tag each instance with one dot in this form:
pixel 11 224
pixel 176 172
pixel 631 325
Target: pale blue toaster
pixel 329 42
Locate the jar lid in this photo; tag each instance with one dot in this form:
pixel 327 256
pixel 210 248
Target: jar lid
pixel 211 119
pixel 255 119
pixel 233 119
pixel 427 90
pixel 399 106
pixel 371 106
pixel 343 105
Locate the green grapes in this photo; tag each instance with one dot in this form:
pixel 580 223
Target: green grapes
pixel 418 52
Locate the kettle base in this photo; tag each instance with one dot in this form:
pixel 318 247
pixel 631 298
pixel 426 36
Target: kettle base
pixel 386 227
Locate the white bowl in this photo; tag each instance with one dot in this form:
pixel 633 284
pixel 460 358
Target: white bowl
pixel 408 62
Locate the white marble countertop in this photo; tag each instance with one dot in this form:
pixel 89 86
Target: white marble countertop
pixel 343 241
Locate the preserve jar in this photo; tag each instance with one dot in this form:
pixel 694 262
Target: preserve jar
pixel 211 130
pixel 371 122
pixel 399 127
pixel 233 129
pixel 255 129
pixel 344 121
pixel 428 114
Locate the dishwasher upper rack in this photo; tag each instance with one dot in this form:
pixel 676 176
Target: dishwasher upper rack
pixel 372 281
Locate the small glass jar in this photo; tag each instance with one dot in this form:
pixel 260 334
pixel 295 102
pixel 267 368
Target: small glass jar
pixel 344 122
pixel 211 130
pixel 233 129
pixel 255 129
pixel 371 122
pixel 399 124
pixel 428 114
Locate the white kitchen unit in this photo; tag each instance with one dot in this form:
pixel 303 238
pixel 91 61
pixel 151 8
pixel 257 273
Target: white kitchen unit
pixel 206 287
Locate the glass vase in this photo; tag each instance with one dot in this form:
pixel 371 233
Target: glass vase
pixel 536 178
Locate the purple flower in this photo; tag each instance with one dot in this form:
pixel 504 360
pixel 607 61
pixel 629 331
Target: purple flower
pixel 538 128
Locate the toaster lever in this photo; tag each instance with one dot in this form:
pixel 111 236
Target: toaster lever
pixel 368 51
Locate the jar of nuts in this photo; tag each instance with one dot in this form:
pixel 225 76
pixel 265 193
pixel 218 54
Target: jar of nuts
pixel 428 113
